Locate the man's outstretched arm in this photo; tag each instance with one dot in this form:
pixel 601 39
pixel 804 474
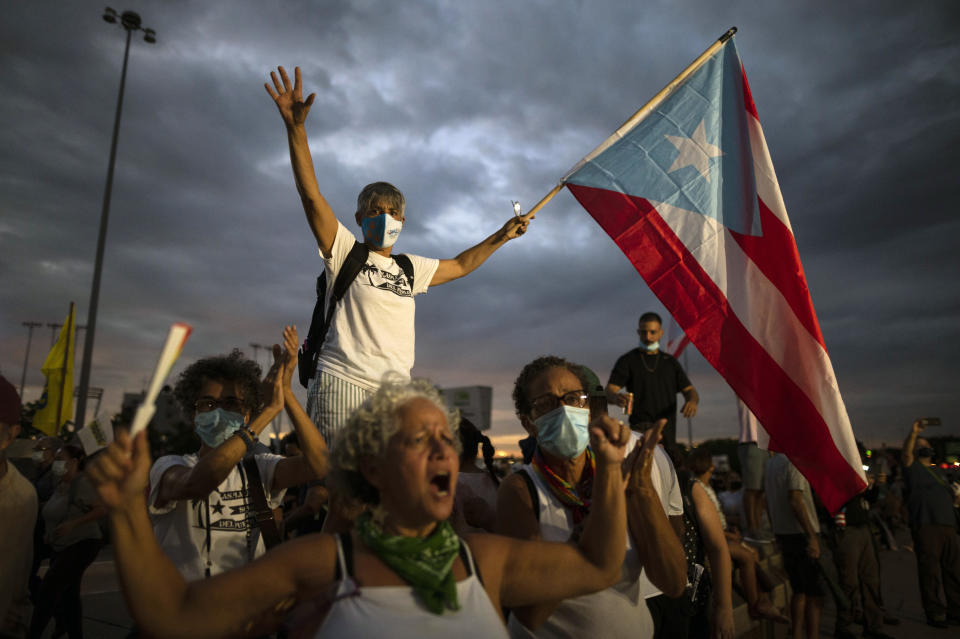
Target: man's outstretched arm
pixel 474 256
pixel 294 109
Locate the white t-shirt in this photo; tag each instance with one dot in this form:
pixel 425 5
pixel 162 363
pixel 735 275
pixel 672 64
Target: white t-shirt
pixel 618 611
pixel 372 332
pixel 665 482
pixel 780 478
pixel 182 527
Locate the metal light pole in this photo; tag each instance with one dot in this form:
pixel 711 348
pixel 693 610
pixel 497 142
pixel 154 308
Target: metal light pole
pixel 26 358
pixel 131 22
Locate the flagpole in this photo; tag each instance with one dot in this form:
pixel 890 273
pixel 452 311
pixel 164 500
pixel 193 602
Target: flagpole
pixel 66 354
pixel 654 102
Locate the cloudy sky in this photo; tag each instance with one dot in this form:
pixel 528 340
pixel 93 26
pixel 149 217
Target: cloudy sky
pixel 465 106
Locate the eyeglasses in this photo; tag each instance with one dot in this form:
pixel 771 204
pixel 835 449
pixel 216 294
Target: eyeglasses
pixel 230 404
pixel 548 401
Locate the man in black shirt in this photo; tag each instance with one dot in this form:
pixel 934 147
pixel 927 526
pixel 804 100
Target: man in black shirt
pixel 654 378
pixel 933 523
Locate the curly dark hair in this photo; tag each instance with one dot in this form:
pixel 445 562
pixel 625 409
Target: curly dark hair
pixel 532 370
pixel 234 367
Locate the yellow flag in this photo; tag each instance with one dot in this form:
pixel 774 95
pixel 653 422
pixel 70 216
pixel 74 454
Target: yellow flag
pixel 56 403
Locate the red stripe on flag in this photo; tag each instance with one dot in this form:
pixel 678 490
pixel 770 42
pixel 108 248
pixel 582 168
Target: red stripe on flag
pixel 701 309
pixel 775 254
pixel 748 95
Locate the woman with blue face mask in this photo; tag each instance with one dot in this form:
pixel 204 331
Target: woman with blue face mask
pixel 549 499
pixel 71 517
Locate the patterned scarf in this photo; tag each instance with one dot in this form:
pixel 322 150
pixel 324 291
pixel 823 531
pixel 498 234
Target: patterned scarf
pixel 425 563
pixel 575 497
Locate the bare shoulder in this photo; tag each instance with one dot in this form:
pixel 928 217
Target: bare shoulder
pixel 311 560
pixel 514 486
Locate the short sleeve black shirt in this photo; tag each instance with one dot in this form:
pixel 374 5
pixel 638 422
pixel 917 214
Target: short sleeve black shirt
pixel 654 381
pixel 929 498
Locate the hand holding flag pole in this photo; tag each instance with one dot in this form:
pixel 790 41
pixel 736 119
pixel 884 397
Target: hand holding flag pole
pixel 176 338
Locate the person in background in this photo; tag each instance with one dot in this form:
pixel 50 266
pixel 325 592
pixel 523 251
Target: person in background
pixel 700 464
pixel 795 525
pixel 71 518
pixel 703 540
pixel 654 378
pixel 18 512
pixel 475 508
pixel 857 566
pixel 753 460
pixel 44 481
pixel 933 523
pixel 304 506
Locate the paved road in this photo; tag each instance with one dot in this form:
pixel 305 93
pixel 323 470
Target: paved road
pixel 106 617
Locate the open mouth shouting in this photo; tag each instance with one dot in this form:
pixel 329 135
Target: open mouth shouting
pixel 440 483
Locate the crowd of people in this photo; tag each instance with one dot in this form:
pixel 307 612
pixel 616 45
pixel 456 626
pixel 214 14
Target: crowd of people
pixel 379 513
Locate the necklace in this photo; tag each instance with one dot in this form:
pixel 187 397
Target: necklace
pixel 656 361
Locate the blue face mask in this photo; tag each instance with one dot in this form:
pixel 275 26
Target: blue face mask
pixel 215 426
pixel 563 431
pixel 650 347
pixel 381 230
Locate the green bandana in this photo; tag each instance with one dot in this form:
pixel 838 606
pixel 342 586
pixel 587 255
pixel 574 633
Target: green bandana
pixel 424 563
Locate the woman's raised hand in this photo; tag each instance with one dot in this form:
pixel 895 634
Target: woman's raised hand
pixel 121 472
pixel 293 108
pixel 640 461
pixel 608 439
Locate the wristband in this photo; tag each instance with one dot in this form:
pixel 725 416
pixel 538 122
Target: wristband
pixel 248 436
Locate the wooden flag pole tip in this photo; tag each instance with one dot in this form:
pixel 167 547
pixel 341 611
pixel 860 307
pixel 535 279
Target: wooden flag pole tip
pixel 729 34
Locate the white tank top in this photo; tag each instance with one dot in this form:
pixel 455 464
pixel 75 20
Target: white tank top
pixel 396 612
pixel 618 611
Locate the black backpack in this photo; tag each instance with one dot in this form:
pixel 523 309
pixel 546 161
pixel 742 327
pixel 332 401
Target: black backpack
pixel 320 322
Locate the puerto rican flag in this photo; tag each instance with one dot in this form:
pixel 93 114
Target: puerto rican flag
pixel 690 196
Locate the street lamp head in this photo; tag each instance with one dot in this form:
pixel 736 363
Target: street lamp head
pixel 149 35
pixel 110 15
pixel 130 20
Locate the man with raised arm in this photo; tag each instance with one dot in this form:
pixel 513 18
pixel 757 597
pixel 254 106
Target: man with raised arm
pixel 372 328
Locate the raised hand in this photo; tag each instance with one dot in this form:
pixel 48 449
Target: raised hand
pixel 120 474
pixel 293 108
pixel 515 227
pixel 640 460
pixel 272 384
pixel 608 439
pixel 289 354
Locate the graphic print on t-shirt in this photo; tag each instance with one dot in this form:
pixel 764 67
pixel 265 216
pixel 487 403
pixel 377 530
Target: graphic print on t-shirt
pixel 224 515
pixel 385 281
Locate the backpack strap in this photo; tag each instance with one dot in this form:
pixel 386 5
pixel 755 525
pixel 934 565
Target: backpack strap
pixel 320 321
pixel 534 495
pixel 351 267
pixel 406 266
pixel 261 510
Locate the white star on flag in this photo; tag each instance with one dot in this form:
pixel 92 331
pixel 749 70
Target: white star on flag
pixel 694 151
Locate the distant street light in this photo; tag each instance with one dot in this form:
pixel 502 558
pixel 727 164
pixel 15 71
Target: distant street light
pixel 131 22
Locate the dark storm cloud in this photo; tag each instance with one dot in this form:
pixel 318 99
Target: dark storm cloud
pixel 465 107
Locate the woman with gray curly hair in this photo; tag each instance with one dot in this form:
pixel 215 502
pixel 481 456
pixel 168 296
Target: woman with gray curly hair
pixel 402 568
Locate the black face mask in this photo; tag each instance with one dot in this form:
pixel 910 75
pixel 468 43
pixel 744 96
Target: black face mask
pixel 925 452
